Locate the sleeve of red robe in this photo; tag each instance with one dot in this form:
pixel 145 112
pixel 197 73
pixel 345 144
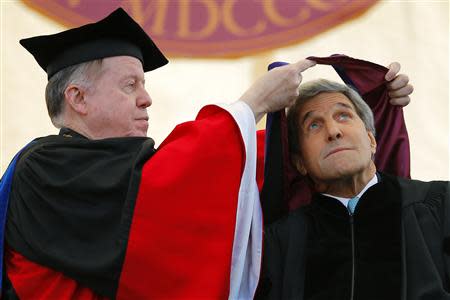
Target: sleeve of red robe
pixel 197 217
pixel 196 228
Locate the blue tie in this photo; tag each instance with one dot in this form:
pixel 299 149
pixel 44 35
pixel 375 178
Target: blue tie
pixel 351 205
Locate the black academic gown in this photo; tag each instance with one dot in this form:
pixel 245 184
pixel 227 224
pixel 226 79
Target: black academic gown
pixel 101 175
pixel 403 255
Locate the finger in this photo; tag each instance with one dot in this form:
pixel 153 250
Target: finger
pixel 403 101
pixel 402 92
pixel 303 64
pixel 399 82
pixel 394 68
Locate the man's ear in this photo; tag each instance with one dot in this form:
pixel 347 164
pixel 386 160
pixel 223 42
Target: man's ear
pixel 75 98
pixel 298 163
pixel 373 142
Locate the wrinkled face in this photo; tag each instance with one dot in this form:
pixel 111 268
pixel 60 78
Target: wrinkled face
pixel 117 101
pixel 333 140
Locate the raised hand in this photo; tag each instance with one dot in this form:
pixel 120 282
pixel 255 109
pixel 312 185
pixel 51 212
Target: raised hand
pixel 399 87
pixel 277 89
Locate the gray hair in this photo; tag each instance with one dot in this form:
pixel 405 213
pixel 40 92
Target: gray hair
pixel 311 89
pixel 81 74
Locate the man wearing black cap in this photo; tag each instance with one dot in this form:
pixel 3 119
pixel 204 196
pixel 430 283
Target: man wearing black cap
pixel 91 215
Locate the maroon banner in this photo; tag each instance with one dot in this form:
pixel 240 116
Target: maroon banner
pixel 214 28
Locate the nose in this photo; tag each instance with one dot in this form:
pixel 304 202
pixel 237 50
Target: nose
pixel 333 131
pixel 143 101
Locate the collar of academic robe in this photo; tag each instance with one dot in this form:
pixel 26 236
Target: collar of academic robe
pixel 67 132
pixel 70 133
pixel 366 206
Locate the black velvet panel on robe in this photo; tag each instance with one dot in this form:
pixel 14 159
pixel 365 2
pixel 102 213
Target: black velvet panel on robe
pixel 71 205
pixel 424 226
pixel 377 231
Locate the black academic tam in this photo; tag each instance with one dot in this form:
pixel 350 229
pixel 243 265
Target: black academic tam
pixel 115 35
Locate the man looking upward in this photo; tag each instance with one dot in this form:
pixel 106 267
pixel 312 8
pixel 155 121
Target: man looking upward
pixel 365 234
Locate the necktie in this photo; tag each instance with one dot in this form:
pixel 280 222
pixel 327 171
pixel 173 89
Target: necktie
pixel 351 205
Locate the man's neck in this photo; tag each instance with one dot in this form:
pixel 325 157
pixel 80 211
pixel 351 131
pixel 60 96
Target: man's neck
pixel 78 127
pixel 347 187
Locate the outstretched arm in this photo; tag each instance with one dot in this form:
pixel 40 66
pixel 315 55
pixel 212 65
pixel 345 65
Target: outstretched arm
pixel 277 89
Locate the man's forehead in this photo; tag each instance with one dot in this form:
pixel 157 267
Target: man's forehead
pixel 324 102
pixel 123 59
pixel 123 64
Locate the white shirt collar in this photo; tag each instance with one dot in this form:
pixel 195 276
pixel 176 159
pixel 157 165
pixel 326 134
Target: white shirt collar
pixel 344 201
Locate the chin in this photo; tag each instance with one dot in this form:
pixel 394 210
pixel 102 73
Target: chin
pixel 140 134
pixel 134 133
pixel 342 170
pixel 139 131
